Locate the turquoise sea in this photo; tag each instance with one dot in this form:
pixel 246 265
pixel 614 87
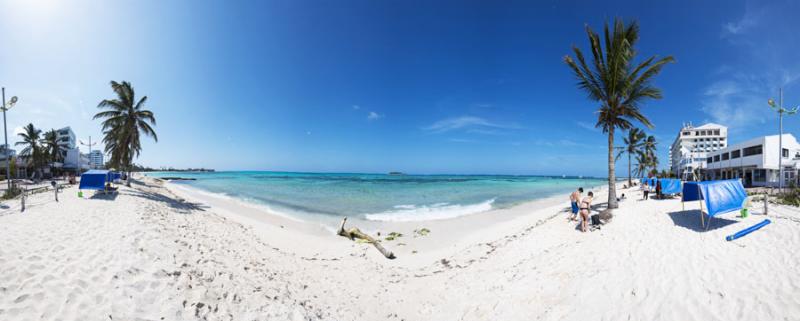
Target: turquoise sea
pixel 380 197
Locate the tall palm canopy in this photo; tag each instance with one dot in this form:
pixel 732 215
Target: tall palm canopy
pixel 641 165
pixel 618 84
pixel 633 145
pixel 52 148
pixel 649 149
pixel 124 120
pixel 32 150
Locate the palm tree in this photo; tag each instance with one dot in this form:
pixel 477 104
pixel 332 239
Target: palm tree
pixel 124 119
pixel 32 151
pixel 616 83
pixel 649 146
pixel 633 144
pixel 641 165
pixel 51 148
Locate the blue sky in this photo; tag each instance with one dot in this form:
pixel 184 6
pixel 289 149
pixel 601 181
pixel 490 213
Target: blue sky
pixel 377 86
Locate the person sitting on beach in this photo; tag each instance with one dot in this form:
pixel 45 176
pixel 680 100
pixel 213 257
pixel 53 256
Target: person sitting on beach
pixel 573 199
pixel 585 208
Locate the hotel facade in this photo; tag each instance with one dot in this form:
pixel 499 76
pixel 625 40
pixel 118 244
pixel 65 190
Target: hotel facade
pixel 691 148
pixel 756 161
pixel 71 154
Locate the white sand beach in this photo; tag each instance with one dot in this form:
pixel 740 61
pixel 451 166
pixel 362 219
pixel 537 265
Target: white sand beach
pixel 158 253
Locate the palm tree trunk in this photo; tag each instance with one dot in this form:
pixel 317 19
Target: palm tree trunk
pixel 612 180
pixel 629 169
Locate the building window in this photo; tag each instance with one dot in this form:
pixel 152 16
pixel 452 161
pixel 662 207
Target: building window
pixel 708 160
pixel 716 132
pixel 753 150
pixel 760 175
pixel 687 133
pixel 785 153
pixel 697 133
pixel 736 154
pixel 725 156
pixel 716 158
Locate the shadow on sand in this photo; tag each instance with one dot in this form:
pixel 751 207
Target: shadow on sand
pixel 104 196
pixel 182 206
pixel 690 219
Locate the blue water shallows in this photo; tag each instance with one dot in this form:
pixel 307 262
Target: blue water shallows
pixel 380 197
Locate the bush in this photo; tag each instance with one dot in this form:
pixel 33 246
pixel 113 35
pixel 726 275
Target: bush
pixel 791 196
pixel 11 193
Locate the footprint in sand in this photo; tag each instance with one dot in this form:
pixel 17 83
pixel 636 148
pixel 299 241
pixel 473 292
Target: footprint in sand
pixel 21 298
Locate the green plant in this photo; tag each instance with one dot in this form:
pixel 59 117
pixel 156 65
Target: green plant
pixel 13 192
pixel 790 197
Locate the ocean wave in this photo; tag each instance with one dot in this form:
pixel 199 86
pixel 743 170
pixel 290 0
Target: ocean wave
pixel 439 211
pixel 238 200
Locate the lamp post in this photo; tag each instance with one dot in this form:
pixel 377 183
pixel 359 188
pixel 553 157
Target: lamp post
pixel 90 152
pixel 779 108
pixel 6 107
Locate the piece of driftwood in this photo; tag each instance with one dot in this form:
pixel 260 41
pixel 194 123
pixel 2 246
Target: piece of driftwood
pixel 355 233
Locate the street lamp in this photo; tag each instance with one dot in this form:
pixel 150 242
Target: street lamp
pixel 779 108
pixel 6 107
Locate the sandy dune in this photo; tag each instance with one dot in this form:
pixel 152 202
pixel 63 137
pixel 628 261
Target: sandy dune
pixel 148 254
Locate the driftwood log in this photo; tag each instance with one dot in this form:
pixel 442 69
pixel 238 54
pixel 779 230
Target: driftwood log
pixel 355 233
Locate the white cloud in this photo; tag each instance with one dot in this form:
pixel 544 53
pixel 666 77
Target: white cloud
pixel 748 21
pixel 374 116
pixel 475 124
pixel 587 126
pixel 762 60
pixel 463 140
pixel 736 104
pixel 18 130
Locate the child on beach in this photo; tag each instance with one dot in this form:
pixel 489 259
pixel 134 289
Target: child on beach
pixel 585 208
pixel 573 199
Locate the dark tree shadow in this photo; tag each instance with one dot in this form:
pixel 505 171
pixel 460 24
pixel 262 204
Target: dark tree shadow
pixel 98 195
pixel 690 219
pixel 181 205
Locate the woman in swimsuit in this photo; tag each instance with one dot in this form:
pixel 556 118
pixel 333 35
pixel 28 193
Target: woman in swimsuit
pixel 586 205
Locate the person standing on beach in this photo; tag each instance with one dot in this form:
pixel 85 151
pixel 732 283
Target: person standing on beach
pixel 574 198
pixel 645 190
pixel 585 208
pixel 658 190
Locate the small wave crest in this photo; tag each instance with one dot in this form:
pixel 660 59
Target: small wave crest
pixel 438 211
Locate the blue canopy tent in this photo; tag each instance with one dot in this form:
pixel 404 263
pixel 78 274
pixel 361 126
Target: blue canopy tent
pixel 718 196
pixel 670 186
pixel 95 179
pixel 115 176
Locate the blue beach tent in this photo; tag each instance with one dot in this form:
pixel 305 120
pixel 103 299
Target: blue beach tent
pixel 670 186
pixel 95 179
pixel 718 197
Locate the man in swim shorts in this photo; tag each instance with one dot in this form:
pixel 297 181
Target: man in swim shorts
pixel 574 198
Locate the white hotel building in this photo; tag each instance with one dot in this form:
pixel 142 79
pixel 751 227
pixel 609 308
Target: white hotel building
pixel 73 159
pixel 756 161
pixel 690 149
